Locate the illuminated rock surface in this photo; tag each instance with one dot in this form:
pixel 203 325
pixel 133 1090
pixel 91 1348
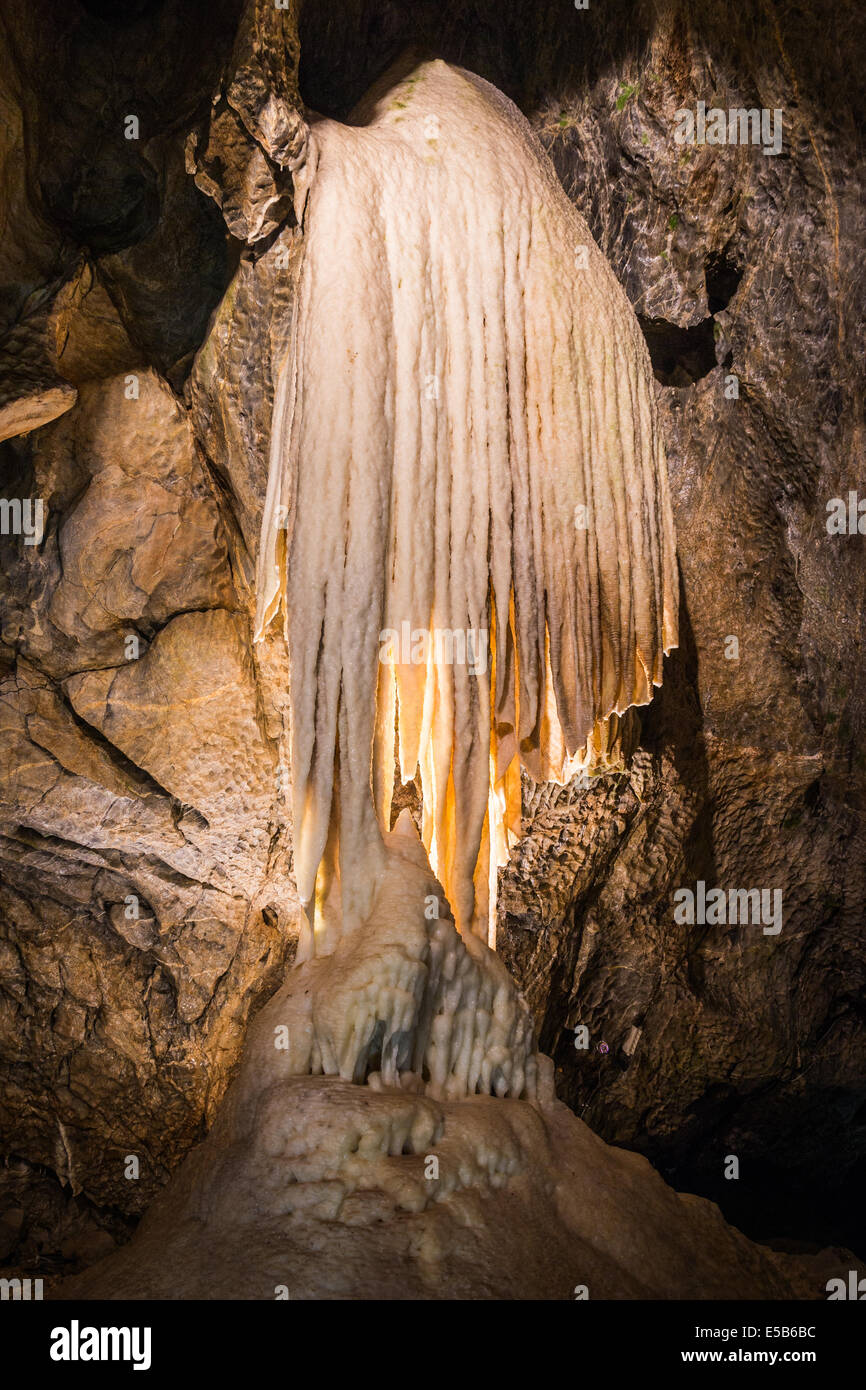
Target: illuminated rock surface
pixel 119 1035
pixel 465 441
pixel 314 1187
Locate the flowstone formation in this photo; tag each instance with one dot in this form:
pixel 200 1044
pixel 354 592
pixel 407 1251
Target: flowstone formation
pixel 148 906
pixel 392 1130
pixel 482 464
pixel 410 1186
pixel 467 509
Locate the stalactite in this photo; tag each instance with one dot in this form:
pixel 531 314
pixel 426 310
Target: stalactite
pixel 464 443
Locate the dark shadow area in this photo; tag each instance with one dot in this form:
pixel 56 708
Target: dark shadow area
pixel 120 12
pixel 104 206
pixel 680 356
pixel 768 1201
pixel 722 277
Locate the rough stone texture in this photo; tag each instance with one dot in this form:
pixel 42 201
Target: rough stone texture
pixel 749 1044
pixel 145 894
pixel 138 765
pixel 311 1187
pixel 231 391
pixel 44 1226
pixel 526 1205
pixel 117 1034
pixel 252 159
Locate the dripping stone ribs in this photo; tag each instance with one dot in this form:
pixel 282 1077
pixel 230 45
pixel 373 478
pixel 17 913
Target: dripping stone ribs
pixel 404 1001
pixel 525 496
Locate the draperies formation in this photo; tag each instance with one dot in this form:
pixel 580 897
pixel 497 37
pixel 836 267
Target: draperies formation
pixel 465 444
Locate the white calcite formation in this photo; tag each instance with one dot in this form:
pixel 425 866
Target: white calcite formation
pixel 464 444
pixel 310 1187
pixel 406 1002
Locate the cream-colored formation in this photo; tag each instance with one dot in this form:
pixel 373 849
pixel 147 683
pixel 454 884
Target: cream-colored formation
pixel 406 1003
pixel 464 442
pixel 322 1189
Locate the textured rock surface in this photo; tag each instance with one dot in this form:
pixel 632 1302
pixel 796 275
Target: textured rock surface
pixel 311 1187
pixel 145 895
pixel 326 1197
pixel 118 1034
pixel 749 1044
